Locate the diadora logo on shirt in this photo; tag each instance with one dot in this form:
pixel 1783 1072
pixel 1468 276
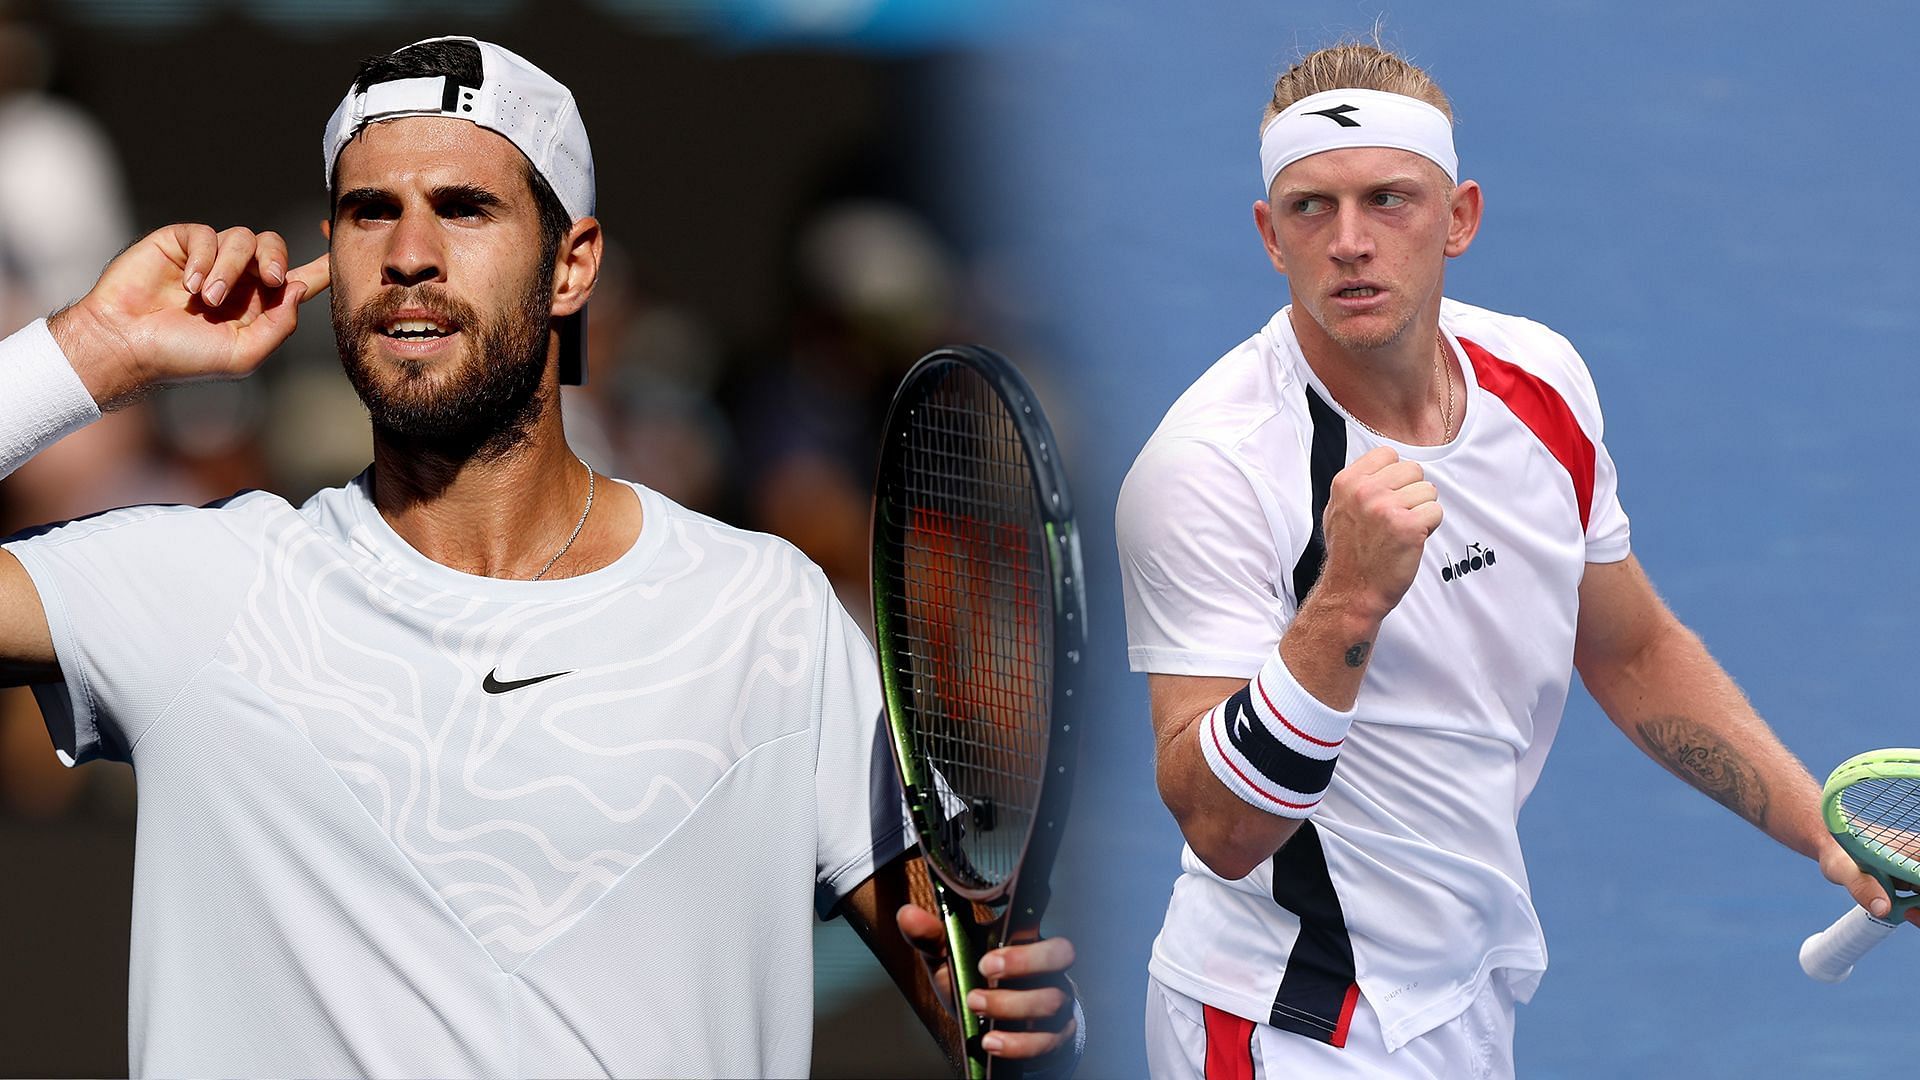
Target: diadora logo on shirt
pixel 1478 557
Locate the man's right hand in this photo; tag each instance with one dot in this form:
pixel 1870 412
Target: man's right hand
pixel 185 304
pixel 1380 511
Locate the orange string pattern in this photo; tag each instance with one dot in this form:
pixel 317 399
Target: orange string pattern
pixel 974 620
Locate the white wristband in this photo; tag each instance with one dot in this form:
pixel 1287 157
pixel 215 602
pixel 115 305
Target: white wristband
pixel 41 396
pixel 1273 744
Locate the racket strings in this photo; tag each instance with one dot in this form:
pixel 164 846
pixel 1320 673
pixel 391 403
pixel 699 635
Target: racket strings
pixel 980 549
pixel 973 617
pixel 1884 814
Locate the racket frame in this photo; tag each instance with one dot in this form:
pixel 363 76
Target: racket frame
pixel 972 927
pixel 1830 954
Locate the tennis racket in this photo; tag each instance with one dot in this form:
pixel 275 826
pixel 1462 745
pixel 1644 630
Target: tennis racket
pixel 1872 805
pixel 981 623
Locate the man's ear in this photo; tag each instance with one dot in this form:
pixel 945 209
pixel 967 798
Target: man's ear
pixel 1263 222
pixel 576 268
pixel 1463 223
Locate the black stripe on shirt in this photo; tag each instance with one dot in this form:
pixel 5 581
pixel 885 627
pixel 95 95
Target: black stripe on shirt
pixel 1328 456
pixel 1313 995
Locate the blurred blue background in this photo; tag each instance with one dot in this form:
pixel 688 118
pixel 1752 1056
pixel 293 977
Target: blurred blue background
pixel 1715 202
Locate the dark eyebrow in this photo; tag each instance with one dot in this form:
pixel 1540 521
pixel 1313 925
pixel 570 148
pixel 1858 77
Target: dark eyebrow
pixel 362 196
pixel 468 194
pixel 471 194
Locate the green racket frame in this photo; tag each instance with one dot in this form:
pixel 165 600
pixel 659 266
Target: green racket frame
pixel 1830 954
pixel 1025 892
pixel 1899 763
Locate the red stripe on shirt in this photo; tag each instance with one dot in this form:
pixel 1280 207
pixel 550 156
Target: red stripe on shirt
pixel 1214 730
pixel 1229 1045
pixel 1283 719
pixel 1339 1038
pixel 1545 412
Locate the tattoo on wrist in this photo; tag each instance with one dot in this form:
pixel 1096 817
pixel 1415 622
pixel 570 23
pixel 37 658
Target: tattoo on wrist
pixel 1704 760
pixel 1357 653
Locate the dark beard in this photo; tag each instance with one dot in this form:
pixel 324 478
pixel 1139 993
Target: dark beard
pixel 476 413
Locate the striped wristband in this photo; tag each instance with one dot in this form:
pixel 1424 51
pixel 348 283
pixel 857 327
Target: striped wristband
pixel 1273 744
pixel 43 399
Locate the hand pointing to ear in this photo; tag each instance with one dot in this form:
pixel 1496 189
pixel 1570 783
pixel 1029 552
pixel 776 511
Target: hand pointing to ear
pixel 185 303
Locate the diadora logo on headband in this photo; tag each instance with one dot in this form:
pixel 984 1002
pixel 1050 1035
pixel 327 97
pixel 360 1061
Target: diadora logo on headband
pixel 1338 114
pixel 1395 121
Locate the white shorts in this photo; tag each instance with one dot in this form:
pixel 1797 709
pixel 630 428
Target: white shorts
pixel 1190 1041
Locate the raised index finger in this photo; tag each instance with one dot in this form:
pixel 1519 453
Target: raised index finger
pixel 316 276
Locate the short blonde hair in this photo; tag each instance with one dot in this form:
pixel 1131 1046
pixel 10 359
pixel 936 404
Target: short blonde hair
pixel 1354 65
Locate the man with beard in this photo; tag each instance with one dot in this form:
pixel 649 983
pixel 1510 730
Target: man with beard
pixel 481 764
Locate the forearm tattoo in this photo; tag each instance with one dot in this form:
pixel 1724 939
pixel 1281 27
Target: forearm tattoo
pixel 1357 653
pixel 1704 760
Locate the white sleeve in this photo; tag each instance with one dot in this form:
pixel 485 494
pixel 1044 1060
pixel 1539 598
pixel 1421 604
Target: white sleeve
pixel 138 601
pixel 1608 534
pixel 1201 563
pixel 1609 538
pixel 43 398
pixel 861 813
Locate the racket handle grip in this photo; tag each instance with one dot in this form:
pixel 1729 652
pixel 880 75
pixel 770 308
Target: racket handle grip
pixel 1829 955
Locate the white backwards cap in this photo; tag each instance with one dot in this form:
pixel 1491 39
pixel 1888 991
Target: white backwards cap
pixel 530 108
pixel 1336 119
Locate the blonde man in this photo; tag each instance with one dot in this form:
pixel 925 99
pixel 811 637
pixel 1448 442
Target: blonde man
pixel 1362 556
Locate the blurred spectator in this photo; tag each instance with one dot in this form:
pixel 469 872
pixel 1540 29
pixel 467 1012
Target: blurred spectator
pixel 63 216
pixel 875 291
pixel 647 410
pixel 63 209
pixel 880 274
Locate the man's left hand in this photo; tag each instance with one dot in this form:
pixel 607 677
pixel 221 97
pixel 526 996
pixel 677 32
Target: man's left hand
pixel 1040 1000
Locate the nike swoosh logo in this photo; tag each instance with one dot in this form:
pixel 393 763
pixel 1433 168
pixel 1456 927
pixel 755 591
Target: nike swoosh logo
pixel 494 686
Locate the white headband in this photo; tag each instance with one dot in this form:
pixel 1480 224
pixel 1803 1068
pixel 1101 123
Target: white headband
pixel 1336 119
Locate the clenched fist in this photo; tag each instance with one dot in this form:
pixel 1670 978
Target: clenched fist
pixel 1380 511
pixel 182 304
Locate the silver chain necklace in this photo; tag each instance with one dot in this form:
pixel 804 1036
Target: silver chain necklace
pixel 578 525
pixel 1446 416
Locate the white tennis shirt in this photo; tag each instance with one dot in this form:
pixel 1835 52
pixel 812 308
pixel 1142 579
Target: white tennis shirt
pixel 1466 685
pixel 397 820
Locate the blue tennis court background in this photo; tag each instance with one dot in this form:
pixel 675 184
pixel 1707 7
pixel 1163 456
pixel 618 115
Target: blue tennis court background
pixel 1717 204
